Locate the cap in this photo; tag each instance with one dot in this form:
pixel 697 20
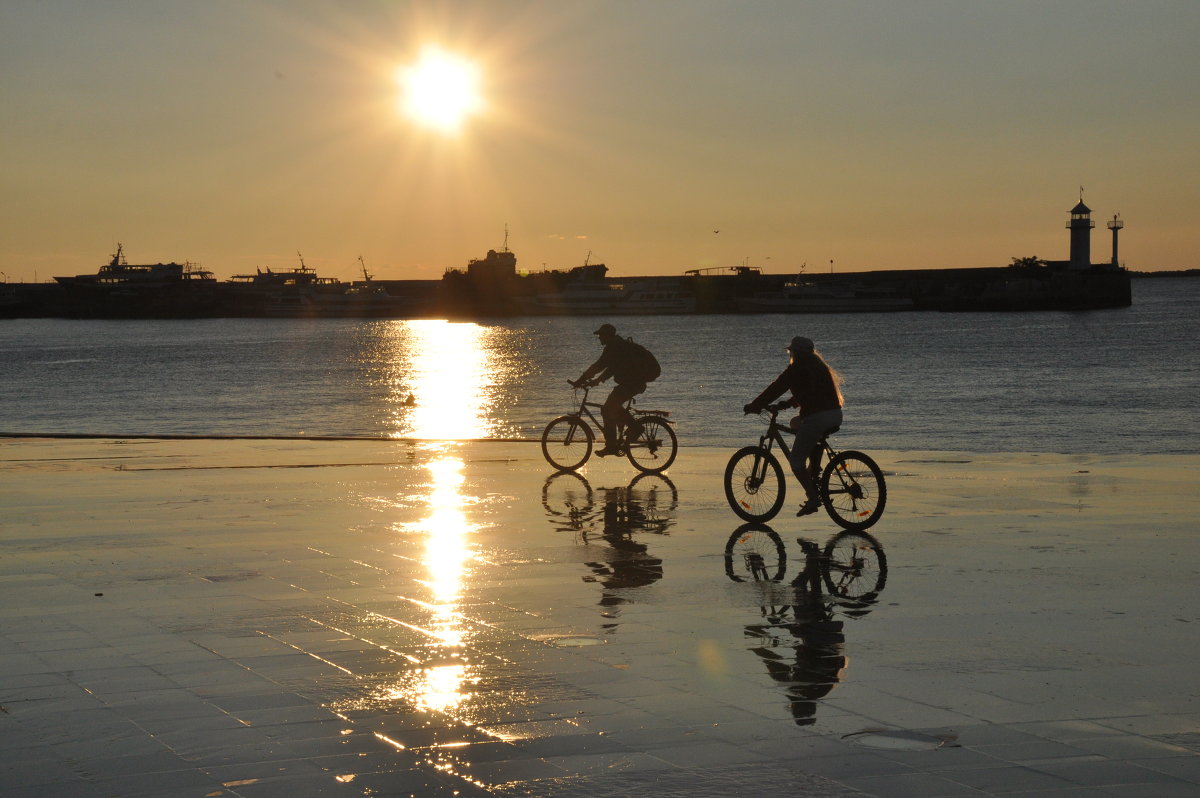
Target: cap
pixel 606 329
pixel 800 344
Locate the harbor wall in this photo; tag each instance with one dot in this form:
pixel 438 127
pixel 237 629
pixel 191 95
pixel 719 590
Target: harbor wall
pixel 461 294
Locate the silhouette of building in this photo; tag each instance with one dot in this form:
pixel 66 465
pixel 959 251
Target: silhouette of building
pixel 1081 225
pixel 1115 225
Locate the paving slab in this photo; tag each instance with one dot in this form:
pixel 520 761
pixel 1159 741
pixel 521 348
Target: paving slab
pixel 388 618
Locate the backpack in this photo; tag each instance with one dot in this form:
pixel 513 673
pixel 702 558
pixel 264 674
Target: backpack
pixel 643 362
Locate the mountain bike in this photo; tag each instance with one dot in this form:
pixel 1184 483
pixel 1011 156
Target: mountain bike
pixel 851 485
pixel 649 443
pixel 852 565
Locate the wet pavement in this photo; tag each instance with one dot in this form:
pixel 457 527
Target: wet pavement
pixel 295 618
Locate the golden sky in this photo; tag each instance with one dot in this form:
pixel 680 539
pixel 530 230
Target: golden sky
pixel 876 135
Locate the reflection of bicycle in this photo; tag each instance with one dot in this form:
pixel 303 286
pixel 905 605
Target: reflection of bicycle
pixel 649 442
pixel 852 566
pixel 799 635
pixel 646 504
pixel 851 486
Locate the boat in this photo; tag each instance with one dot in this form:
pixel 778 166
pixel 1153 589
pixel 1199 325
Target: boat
pixel 156 290
pixel 657 296
pixel 582 291
pixel 301 293
pixel 10 301
pixel 807 296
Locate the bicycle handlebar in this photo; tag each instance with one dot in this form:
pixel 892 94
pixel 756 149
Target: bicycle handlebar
pixel 774 408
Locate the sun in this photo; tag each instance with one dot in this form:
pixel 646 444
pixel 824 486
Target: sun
pixel 440 91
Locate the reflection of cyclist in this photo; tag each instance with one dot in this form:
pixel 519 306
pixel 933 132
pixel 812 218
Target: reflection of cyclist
pixel 805 652
pixel 622 360
pixel 626 562
pixel 816 391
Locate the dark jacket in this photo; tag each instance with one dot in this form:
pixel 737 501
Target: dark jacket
pixel 619 361
pixel 812 386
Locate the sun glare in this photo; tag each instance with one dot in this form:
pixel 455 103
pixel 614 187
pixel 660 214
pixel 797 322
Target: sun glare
pixel 440 91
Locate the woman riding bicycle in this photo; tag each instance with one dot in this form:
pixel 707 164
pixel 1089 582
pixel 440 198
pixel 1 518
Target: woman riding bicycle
pixel 816 391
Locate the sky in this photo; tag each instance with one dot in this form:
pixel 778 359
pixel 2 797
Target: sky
pixel 653 136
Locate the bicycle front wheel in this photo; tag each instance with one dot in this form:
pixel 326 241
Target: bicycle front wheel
pixel 654 448
pixel 855 567
pixel 754 485
pixel 567 443
pixel 853 490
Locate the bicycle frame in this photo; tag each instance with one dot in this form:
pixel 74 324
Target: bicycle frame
pixel 775 435
pixel 585 411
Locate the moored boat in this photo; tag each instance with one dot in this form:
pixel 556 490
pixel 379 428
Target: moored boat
pixel 805 296
pixel 155 290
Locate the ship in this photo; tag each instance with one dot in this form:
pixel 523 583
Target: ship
pixel 157 290
pixel 586 291
pixel 301 293
pixel 806 296
pixel 582 291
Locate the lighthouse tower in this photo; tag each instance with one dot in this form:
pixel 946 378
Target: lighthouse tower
pixel 1115 225
pixel 1081 225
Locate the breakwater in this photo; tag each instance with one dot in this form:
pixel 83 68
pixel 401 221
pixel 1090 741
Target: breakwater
pixel 492 287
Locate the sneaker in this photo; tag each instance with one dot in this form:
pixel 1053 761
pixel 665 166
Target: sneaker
pixel 606 451
pixel 808 508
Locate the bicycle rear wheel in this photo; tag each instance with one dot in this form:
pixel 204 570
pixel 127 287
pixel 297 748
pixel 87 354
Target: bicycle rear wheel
pixel 855 567
pixel 853 490
pixel 755 553
pixel 654 448
pixel 567 443
pixel 754 485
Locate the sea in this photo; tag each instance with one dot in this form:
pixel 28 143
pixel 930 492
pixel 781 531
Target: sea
pixel 1119 381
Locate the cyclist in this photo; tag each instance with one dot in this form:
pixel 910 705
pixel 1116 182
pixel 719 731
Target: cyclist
pixel 622 360
pixel 816 391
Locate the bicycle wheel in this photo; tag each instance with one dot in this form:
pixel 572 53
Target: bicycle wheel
pixel 755 553
pixel 853 491
pixel 567 443
pixel 658 498
pixel 568 495
pixel 855 567
pixel 654 448
pixel 754 485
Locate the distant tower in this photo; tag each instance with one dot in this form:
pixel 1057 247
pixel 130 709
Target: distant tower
pixel 1081 225
pixel 1115 225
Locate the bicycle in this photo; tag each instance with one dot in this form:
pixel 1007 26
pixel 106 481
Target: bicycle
pixel 571 505
pixel 649 443
pixel 852 566
pixel 800 632
pixel 850 487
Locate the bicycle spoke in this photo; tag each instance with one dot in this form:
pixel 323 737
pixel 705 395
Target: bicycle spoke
pixel 654 448
pixel 853 490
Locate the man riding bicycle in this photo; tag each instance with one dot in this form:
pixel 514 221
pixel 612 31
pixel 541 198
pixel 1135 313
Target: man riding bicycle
pixel 816 391
pixel 625 362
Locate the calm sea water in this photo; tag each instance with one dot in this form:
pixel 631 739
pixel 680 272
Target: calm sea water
pixel 1111 381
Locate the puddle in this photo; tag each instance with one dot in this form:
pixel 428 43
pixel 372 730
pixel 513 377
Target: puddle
pixel 575 642
pixel 902 740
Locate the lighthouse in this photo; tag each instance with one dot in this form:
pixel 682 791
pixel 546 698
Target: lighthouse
pixel 1115 225
pixel 1081 225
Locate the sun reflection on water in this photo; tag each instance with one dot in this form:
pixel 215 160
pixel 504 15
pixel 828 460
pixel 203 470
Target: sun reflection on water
pixel 442 380
pixel 450 377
